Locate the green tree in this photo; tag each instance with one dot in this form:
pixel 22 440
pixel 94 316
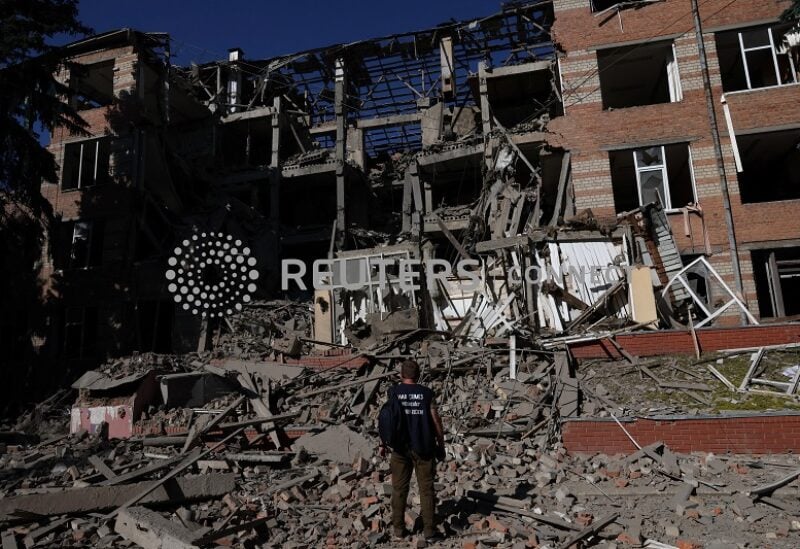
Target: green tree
pixel 793 13
pixel 31 99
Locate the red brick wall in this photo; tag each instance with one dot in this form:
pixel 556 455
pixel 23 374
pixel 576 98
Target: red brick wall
pixel 761 434
pixel 680 342
pixel 589 131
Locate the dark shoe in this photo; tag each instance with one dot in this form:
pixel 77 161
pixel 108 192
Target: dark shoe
pixel 433 537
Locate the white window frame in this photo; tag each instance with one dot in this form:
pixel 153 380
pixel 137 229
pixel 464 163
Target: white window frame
pixel 666 199
pixel 90 229
pixel 674 78
pixel 744 51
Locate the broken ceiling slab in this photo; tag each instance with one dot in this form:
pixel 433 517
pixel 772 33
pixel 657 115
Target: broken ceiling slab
pixel 100 498
pixel 329 166
pixel 94 380
pixel 522 68
pixel 450 152
pixel 338 444
pixel 151 530
pixel 193 389
pixel 274 371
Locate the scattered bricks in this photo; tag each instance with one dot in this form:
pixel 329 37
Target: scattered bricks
pixel 584 519
pixel 627 539
pixel 620 482
pixel 611 473
pixel 411 519
pixel 361 465
pixel 685 544
pixel 360 524
pixel 370 500
pixel 693 514
pixel 496 525
pixel 469 545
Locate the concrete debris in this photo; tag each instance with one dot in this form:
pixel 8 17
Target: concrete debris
pixel 337 443
pixel 560 329
pixel 150 530
pixel 507 479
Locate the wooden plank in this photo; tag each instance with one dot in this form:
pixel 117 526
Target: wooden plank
pixel 641 296
pixel 102 468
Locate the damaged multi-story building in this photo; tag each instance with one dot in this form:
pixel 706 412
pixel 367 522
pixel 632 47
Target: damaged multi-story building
pixel 653 144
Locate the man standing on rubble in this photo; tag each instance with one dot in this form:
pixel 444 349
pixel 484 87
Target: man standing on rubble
pixel 425 444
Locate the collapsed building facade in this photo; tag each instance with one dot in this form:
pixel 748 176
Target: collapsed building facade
pixel 577 215
pixel 551 134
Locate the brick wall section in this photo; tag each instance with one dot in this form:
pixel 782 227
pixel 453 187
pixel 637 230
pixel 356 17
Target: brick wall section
pixel 589 132
pixel 757 434
pixel 680 342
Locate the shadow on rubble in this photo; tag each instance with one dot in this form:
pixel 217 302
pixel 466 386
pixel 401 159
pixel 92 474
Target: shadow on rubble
pixel 458 511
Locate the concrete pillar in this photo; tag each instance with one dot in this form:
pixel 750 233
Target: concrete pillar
pixel 275 193
pixel 486 115
pixel 340 108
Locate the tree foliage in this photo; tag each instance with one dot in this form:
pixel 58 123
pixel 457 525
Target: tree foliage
pixel 31 98
pixel 792 13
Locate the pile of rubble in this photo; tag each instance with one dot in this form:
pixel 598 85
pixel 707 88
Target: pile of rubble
pixel 213 449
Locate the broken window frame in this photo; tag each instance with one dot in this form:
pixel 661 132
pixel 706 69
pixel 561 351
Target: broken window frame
pixel 100 168
pixel 91 254
pixel 711 312
pixel 774 47
pixel 666 200
pixel 672 68
pixel 775 54
pixel 769 282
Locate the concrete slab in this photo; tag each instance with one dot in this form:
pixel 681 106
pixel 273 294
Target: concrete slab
pixel 338 443
pixel 99 498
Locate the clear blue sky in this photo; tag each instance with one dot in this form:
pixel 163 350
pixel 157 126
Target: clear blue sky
pixel 203 30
